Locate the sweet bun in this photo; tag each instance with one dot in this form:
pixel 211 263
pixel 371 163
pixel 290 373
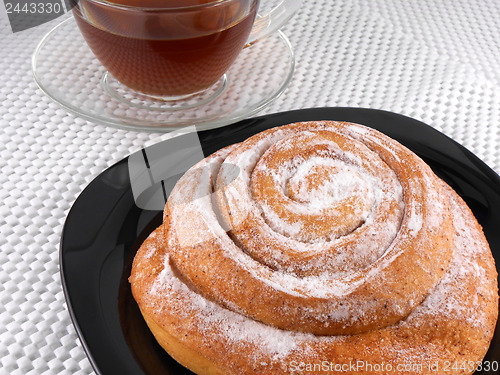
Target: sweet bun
pixel 316 248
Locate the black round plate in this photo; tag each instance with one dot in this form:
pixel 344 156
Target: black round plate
pixel 104 229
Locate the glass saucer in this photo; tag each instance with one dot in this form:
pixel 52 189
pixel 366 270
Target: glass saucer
pixel 67 71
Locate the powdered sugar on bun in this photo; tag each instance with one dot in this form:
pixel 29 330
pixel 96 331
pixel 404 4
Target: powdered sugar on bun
pixel 315 227
pixel 310 241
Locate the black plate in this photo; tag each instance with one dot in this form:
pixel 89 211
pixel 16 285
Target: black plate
pixel 105 227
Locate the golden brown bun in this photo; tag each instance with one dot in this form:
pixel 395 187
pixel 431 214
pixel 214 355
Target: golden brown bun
pixel 317 248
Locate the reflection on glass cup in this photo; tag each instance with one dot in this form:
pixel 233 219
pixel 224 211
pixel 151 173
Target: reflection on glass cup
pixel 173 48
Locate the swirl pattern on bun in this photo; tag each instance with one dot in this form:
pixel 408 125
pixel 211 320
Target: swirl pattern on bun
pixel 308 242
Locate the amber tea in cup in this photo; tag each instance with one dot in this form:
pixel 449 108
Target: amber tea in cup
pixel 166 47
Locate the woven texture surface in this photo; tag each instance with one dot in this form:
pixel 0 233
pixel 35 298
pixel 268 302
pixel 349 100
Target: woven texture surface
pixel 438 62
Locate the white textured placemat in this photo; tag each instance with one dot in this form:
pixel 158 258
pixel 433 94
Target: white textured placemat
pixel 436 61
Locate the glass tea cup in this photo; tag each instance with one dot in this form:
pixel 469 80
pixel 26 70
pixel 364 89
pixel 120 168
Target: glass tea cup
pixel 173 49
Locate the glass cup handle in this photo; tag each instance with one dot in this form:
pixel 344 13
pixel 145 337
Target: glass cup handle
pixel 272 21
